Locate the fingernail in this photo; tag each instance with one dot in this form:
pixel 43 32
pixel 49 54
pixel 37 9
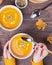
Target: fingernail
pixel 35 45
pixel 42 46
pixel 33 48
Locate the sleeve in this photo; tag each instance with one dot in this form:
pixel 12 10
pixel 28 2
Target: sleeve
pixel 39 63
pixel 9 61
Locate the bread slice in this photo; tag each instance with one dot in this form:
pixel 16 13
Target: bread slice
pixel 38 1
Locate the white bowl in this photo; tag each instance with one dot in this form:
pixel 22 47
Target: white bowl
pixel 12 52
pixel 12 6
pixel 23 6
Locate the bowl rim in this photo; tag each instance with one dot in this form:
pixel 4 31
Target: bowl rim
pixel 12 6
pixel 12 52
pixel 23 6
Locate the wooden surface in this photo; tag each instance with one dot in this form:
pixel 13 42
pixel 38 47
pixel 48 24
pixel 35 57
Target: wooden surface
pixel 28 26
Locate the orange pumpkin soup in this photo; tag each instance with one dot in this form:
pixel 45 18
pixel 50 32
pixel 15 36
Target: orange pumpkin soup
pixel 19 47
pixel 10 17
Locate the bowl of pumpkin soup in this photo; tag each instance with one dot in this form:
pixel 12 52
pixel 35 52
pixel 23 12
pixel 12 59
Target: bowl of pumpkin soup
pixel 11 17
pixel 19 48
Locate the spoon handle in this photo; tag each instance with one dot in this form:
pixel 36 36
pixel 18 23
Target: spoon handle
pixel 46 6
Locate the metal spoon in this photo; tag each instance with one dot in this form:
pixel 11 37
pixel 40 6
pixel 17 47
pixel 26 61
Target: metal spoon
pixel 30 39
pixel 38 12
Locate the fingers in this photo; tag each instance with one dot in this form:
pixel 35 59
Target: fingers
pixel 39 45
pixel 5 53
pixel 42 45
pixel 38 49
pixel 5 50
pixel 43 56
pixel 44 51
pixel 8 55
pixel 37 54
pixel 35 48
pixel 6 45
pixel 40 52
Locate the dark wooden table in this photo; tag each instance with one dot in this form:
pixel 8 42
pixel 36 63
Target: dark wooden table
pixel 29 27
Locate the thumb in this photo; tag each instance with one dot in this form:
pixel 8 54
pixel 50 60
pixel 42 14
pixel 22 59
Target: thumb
pixel 9 55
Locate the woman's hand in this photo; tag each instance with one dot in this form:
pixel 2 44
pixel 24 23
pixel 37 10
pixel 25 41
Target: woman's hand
pixel 6 53
pixel 40 52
